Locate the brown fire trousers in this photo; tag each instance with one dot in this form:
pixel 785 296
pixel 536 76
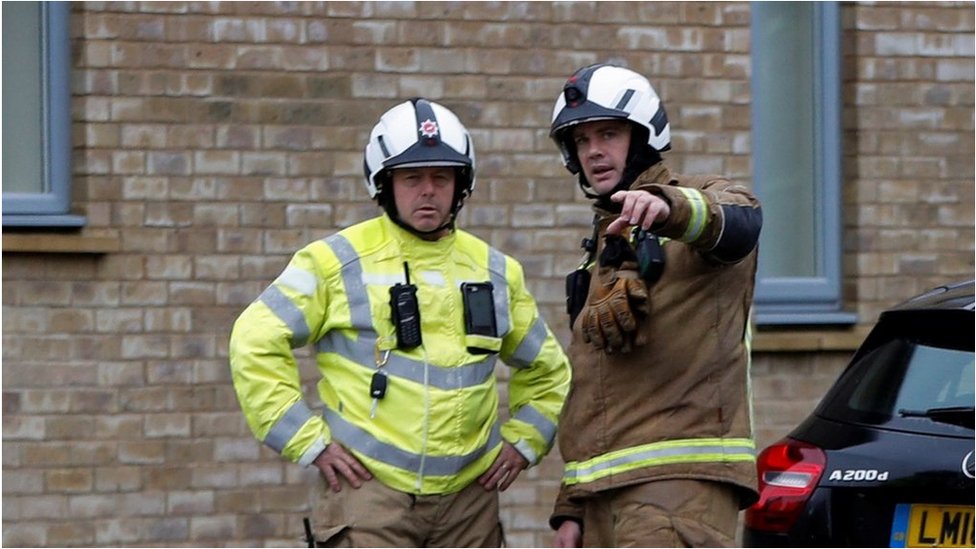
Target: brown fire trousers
pixel 663 513
pixel 377 516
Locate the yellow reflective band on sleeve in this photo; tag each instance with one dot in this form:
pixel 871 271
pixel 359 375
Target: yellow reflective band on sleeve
pixel 704 450
pixel 531 345
pixel 288 425
pixel 699 214
pixel 283 307
pixel 542 424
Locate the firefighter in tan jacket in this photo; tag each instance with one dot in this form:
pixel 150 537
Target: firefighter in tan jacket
pixel 408 317
pixel 656 433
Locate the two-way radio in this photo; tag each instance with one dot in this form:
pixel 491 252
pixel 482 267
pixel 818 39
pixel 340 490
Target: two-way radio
pixel 405 312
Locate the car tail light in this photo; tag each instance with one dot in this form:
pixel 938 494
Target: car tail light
pixel 788 473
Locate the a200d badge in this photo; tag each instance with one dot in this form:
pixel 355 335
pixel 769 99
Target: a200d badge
pixel 858 475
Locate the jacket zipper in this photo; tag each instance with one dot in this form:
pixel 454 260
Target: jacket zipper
pixel 426 425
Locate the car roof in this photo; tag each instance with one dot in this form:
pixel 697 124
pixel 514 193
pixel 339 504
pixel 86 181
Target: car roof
pixel 959 296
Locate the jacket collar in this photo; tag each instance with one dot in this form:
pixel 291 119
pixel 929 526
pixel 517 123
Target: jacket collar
pixel 407 239
pixel 657 174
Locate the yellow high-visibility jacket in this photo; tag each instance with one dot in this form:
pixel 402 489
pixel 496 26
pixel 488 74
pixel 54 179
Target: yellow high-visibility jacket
pixel 437 428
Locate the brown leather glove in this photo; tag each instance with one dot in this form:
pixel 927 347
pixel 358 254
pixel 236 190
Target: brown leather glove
pixel 611 320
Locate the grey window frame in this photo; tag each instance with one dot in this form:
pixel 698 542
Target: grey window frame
pixel 50 207
pixel 817 299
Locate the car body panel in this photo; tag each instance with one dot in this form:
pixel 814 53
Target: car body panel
pixel 889 454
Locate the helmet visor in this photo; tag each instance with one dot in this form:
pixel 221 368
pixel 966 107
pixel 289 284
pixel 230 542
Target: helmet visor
pixel 421 154
pixel 587 112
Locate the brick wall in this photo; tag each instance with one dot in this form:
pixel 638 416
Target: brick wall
pixel 213 139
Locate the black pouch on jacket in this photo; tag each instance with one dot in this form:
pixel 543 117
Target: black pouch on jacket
pixel 479 314
pixel 650 257
pixel 577 287
pixel 616 251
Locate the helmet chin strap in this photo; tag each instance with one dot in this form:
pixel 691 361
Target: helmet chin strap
pixel 396 219
pixel 389 206
pixel 636 165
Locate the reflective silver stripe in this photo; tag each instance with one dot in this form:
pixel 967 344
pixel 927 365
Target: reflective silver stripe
pixel 624 100
pixel 541 423
pixel 432 278
pixel 657 454
pixel 527 452
pixel 352 278
pixel 529 348
pixel 288 425
pixel 297 279
pixel 496 270
pixel 356 438
pixel 288 312
pixel 312 452
pixel 361 351
pixel 699 214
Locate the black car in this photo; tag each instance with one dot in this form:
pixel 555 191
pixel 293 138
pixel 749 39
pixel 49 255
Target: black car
pixel 886 458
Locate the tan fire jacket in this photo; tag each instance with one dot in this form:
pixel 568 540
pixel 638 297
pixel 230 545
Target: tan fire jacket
pixel 679 406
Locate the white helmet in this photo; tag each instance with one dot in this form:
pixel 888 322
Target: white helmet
pixel 418 133
pixel 600 92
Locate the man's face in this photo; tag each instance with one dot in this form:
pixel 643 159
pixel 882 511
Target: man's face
pixel 602 147
pixel 424 197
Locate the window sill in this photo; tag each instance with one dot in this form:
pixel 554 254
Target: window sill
pixel 43 221
pixel 814 340
pixel 41 242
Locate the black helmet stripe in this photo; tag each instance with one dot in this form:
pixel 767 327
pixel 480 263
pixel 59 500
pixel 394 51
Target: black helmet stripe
pixel 624 100
pixel 424 113
pixel 382 143
pixel 660 119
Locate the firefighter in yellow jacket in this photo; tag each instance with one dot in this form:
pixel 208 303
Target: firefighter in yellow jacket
pixel 408 316
pixel 656 433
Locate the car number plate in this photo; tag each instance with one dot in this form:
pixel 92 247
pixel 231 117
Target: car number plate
pixel 917 525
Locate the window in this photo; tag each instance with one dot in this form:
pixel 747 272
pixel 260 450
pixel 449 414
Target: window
pixel 919 388
pixel 796 140
pixel 36 116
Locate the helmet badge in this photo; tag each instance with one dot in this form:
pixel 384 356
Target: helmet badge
pixel 428 128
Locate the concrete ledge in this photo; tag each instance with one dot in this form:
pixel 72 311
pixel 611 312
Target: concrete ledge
pixel 846 340
pixel 59 243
